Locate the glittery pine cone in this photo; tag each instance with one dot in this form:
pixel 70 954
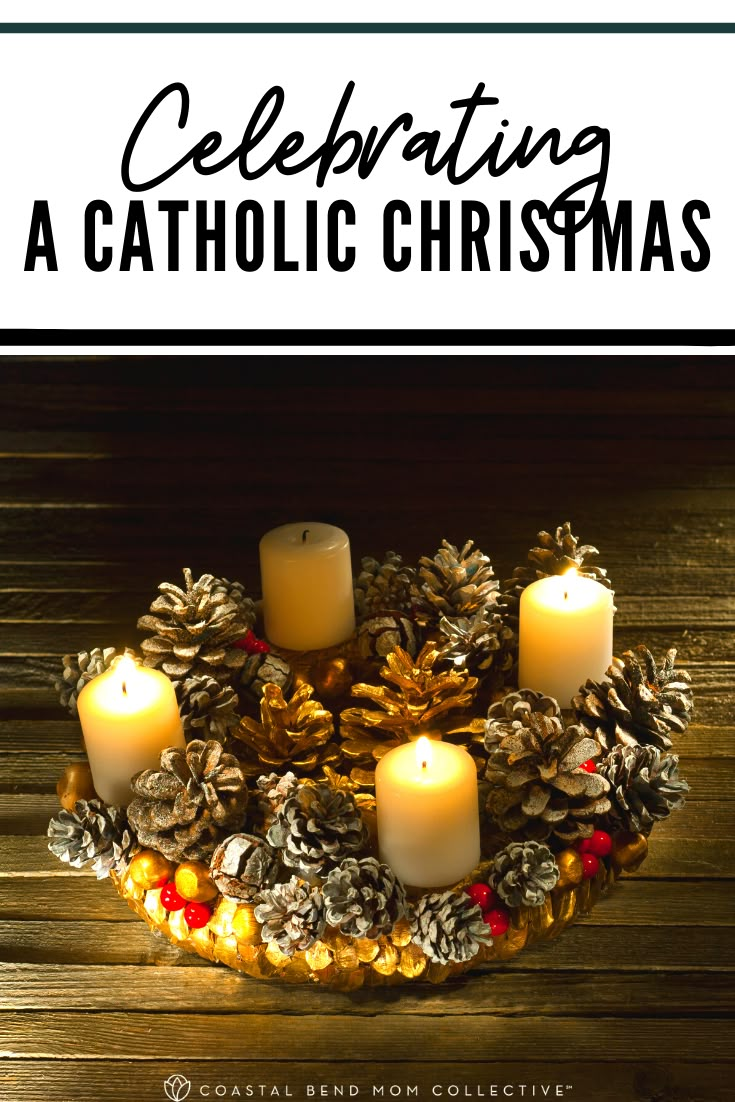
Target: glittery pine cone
pixel 537 786
pixel 316 828
pixel 449 927
pixel 644 786
pixel 243 865
pixel 383 586
pixel 524 873
pixel 291 914
pixel 363 898
pixel 196 628
pixel 79 669
pixel 92 834
pixel 638 702
pixel 207 708
pixel 556 554
pixel 235 592
pixel 185 808
pixel 512 713
pixel 455 582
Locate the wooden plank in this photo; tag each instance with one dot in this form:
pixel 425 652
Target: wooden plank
pixel 657 1079
pixel 146 1036
pixel 583 947
pixel 80 987
pixel 75 894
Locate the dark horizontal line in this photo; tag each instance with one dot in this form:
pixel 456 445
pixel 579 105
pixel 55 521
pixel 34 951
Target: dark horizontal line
pixel 367 28
pixel 706 338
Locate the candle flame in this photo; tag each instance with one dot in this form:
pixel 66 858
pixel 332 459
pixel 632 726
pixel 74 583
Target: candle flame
pixel 423 753
pixel 572 572
pixel 125 668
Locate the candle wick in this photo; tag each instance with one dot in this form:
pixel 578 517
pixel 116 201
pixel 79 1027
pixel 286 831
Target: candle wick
pixel 565 594
pixel 304 534
pixel 124 688
pixel 424 764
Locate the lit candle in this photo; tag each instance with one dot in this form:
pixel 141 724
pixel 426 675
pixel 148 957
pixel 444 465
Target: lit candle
pixel 306 577
pixel 428 813
pixel 129 714
pixel 566 634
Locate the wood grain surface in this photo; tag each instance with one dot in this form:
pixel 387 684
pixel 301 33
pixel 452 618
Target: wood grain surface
pixel 115 473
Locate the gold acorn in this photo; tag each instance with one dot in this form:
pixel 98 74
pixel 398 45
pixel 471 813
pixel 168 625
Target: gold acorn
pixel 570 868
pixel 75 783
pixel 194 882
pixel 149 868
pixel 629 851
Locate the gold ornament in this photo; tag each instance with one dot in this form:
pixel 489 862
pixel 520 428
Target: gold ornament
pixel 419 704
pixel 296 733
pixel 245 927
pixel 570 868
pixel 629 851
pixel 149 867
pixel 75 783
pixel 332 677
pixel 194 883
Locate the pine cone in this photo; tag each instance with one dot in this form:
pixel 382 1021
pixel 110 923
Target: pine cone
pixel 638 703
pixel 265 668
pixel 455 583
pixel 555 554
pixel 379 635
pixel 316 828
pixel 383 586
pixel 78 669
pixel 423 697
pixel 195 629
pixel 363 898
pixel 273 791
pixel 94 833
pixel 242 865
pixel 297 732
pixel 512 713
pixel 292 915
pixel 524 873
pixel 537 786
pixel 644 786
pixel 449 927
pixel 188 806
pixel 477 643
pixel 235 591
pixel 207 709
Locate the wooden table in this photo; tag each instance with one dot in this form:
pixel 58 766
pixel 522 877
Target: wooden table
pixel 117 474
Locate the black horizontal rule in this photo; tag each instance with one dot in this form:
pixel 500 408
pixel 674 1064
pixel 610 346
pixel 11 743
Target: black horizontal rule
pixel 700 338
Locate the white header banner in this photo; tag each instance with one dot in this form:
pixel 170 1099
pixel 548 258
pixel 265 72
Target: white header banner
pixel 316 181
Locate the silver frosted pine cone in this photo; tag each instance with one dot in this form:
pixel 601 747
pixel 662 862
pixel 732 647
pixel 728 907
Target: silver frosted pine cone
pixel 383 586
pixel 92 834
pixel 316 828
pixel 645 786
pixel 455 582
pixel 79 669
pixel 379 635
pixel 207 708
pixel 638 702
pixel 513 711
pixel 291 915
pixel 449 927
pixel 363 898
pixel 524 873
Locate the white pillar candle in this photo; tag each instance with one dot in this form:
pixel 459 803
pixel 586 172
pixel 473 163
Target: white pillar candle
pixel 428 813
pixel 565 636
pixel 306 577
pixel 129 714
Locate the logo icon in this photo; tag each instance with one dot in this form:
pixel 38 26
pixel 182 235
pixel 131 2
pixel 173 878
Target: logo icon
pixel 177 1088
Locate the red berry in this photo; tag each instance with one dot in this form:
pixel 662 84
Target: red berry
pixel 481 894
pixel 197 915
pixel 590 865
pixel 252 644
pixel 589 766
pixel 600 844
pixel 498 920
pixel 583 846
pixel 170 898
